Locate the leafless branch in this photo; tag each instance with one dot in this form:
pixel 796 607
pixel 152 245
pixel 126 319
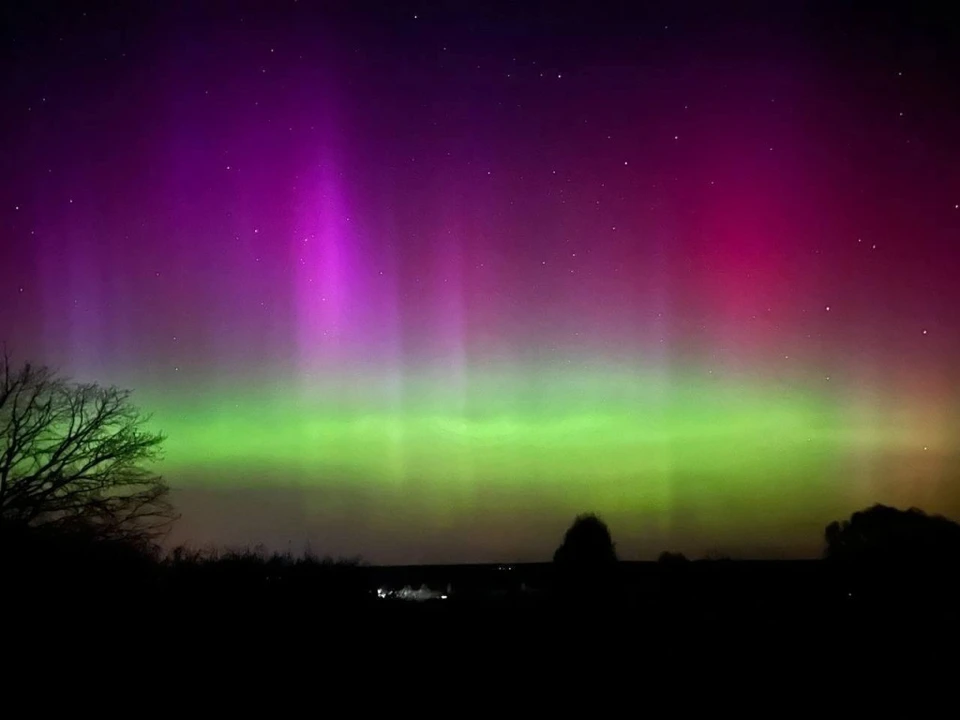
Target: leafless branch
pixel 77 454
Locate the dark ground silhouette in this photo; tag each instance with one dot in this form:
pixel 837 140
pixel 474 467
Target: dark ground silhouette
pixel 880 564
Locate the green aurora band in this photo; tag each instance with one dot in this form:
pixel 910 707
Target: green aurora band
pixel 634 449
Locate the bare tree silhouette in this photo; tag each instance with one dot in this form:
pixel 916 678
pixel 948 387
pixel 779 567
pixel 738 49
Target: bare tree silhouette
pixel 77 456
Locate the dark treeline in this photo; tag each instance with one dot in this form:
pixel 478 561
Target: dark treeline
pixel 881 560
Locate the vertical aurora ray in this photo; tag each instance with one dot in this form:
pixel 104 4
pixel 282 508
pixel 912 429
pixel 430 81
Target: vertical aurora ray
pixel 449 364
pixel 661 363
pixel 322 257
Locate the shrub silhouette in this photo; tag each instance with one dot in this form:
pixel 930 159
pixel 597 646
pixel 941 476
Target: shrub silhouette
pixel 48 564
pixel 889 555
pixel 886 534
pixel 587 544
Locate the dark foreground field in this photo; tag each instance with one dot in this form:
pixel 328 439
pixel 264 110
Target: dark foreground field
pixel 755 597
pixel 656 626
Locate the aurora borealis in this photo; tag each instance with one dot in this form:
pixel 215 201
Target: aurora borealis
pixel 421 281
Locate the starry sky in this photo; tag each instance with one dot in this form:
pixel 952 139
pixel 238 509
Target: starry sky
pixel 421 281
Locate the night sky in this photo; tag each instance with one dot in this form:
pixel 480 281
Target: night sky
pixel 422 281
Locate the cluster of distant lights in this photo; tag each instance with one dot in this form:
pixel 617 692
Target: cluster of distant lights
pixel 408 593
pixel 423 592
